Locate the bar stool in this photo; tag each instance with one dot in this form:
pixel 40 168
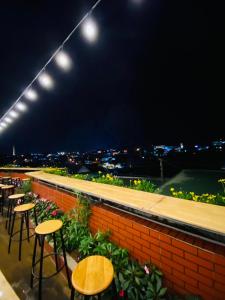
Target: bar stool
pixel 6 180
pixel 49 227
pixel 92 276
pixel 6 190
pixel 23 210
pixel 13 200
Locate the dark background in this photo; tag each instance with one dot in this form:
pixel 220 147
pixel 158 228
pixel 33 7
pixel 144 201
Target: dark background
pixel 155 75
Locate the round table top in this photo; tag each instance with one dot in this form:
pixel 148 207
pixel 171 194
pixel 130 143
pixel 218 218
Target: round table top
pixel 1 185
pixel 16 196
pixel 5 177
pixel 24 207
pixel 26 179
pixel 5 187
pixel 92 275
pixel 48 227
pixel 14 178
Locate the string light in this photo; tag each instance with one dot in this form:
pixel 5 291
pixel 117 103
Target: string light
pixel 46 81
pixel 8 120
pixel 3 124
pixel 21 106
pixel 14 114
pixel 63 60
pixel 31 95
pixel 90 31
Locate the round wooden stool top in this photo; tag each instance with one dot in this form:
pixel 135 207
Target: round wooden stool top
pixel 16 196
pixel 6 187
pixel 24 207
pixel 26 179
pixel 48 227
pixel 92 275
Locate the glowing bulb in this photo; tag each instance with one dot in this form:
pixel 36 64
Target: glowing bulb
pixel 63 61
pixel 21 106
pixel 31 95
pixel 13 114
pixel 90 30
pixel 3 124
pixel 46 81
pixel 8 120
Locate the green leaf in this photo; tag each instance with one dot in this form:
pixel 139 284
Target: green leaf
pixel 162 292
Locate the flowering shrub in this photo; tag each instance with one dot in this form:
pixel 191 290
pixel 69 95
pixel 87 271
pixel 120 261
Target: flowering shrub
pixel 218 199
pixel 143 185
pixel 108 179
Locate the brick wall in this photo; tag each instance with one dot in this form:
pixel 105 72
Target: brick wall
pixel 14 174
pixel 190 265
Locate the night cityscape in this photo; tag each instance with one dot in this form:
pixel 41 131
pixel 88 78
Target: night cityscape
pixel 112 150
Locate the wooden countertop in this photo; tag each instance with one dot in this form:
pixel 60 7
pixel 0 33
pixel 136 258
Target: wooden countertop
pixel 200 215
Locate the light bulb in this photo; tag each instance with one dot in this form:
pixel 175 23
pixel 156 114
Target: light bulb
pixel 63 60
pixel 46 81
pixel 90 30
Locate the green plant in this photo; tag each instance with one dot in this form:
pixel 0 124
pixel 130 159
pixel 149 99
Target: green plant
pixel 83 210
pixel 153 281
pixel 143 185
pixel 130 281
pixel 218 199
pixel 57 171
pixel 108 179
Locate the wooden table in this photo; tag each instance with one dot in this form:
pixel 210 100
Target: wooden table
pixel 92 275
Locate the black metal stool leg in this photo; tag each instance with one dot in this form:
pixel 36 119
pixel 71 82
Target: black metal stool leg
pixel 21 236
pixel 11 233
pixel 41 267
pixel 10 216
pixel 33 261
pixel 72 293
pixel 55 251
pixel 65 260
pixel 27 225
pixel 7 214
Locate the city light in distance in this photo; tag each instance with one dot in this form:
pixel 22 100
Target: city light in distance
pixel 13 114
pixel 46 81
pixel 63 60
pixel 8 120
pixel 21 106
pixel 90 30
pixel 31 95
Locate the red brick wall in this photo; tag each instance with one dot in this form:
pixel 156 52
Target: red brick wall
pixel 190 265
pixel 14 174
pixel 63 200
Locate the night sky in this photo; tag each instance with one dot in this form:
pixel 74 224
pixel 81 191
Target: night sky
pixel 155 74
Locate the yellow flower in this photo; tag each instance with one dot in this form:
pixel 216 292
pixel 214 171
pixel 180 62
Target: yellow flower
pixel 172 189
pixel 135 182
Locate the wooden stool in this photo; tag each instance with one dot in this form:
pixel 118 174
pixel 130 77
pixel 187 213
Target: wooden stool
pixel 6 180
pixel 92 276
pixel 48 228
pixel 7 190
pixel 23 210
pixel 12 202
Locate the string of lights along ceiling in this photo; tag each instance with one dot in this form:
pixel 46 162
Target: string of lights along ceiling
pixel 89 30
